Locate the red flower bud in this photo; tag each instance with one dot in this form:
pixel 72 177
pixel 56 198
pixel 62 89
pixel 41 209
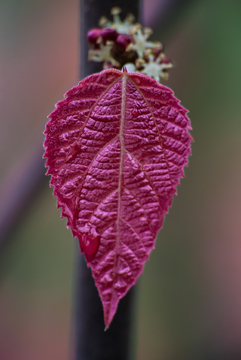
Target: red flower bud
pixel 122 41
pixel 166 61
pixel 109 34
pixel 93 35
pixel 157 51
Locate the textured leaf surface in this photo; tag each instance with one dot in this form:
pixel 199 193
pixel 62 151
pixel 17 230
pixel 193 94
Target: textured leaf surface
pixel 116 148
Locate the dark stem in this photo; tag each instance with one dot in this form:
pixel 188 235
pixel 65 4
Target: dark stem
pixel 92 342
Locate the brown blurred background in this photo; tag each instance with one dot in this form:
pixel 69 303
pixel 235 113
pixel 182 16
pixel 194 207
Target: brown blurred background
pixel 189 297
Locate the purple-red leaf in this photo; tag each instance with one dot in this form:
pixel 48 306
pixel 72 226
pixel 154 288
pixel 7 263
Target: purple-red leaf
pixel 116 148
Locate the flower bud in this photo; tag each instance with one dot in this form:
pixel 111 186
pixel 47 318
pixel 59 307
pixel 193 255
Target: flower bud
pixel 158 50
pixel 165 61
pixel 109 34
pixel 93 35
pixel 123 41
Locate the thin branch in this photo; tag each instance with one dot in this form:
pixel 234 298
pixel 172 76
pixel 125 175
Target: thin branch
pixel 92 342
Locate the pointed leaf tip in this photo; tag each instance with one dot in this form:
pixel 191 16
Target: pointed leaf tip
pixel 116 147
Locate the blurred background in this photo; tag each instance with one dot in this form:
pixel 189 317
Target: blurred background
pixel 189 297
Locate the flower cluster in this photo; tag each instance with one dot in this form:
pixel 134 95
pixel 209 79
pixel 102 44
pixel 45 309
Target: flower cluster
pixel 125 43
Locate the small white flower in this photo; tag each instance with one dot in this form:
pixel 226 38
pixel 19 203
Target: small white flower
pixel 141 43
pixel 122 27
pixel 103 54
pixel 155 69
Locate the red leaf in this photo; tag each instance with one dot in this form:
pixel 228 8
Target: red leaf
pixel 116 148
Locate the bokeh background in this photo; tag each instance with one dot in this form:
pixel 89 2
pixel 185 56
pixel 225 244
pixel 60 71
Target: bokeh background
pixel 189 297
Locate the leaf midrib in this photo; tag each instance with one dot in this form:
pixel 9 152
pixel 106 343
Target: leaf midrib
pixel 120 187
